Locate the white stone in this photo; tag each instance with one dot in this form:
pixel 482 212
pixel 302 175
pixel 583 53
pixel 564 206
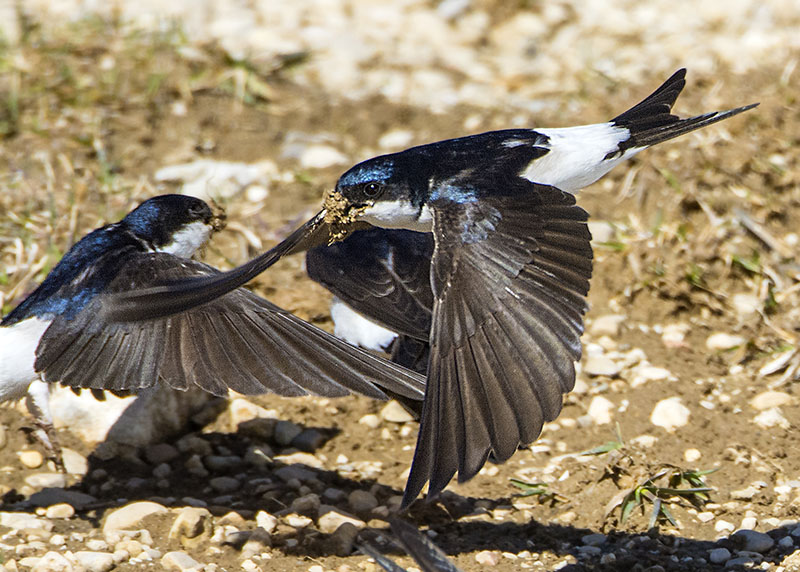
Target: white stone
pixel 332 518
pixel 723 526
pixel 95 561
pixel 770 399
pixel 601 410
pixel 370 420
pixel 266 521
pixel 46 480
pixel 52 562
pixel 608 325
pixel 20 520
pixel 705 516
pixel 646 372
pixel 674 335
pixel 771 418
pixel 297 520
pixel 746 305
pixel 300 458
pixel 722 341
pixel 692 455
pixel 748 523
pixel 320 156
pixel 30 459
pixel 74 462
pixel 190 523
pixel 128 516
pixel 670 414
pixel 61 510
pixel 488 558
pixel 601 365
pixel 180 561
pixel 395 413
pixel 395 139
pixel 645 441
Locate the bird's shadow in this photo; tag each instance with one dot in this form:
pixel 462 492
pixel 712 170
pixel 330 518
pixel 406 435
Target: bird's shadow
pixel 274 486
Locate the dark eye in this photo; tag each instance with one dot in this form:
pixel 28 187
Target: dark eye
pixel 372 189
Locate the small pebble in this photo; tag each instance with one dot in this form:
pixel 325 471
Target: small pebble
pixel 30 459
pixel 601 365
pixel 769 399
pixel 370 420
pixel 60 510
pixel 160 453
pixel 225 484
pixel 601 410
pixel 179 560
pixel 722 341
pixel 331 519
pixel 692 455
pixel 95 561
pixel 488 558
pixel 670 414
pixel 724 526
pixel 753 541
pixel 719 555
pixel 131 514
pixel 361 501
pixel 393 412
pixel 771 418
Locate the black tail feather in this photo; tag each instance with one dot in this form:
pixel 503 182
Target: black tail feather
pixel 651 121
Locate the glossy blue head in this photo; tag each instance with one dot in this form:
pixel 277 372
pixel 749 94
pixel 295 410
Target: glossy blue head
pixel 166 220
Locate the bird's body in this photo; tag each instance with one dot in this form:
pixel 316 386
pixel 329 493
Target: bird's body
pixel 59 333
pixel 509 271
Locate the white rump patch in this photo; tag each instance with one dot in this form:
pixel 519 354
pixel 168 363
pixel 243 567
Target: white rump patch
pixel 576 158
pixel 357 330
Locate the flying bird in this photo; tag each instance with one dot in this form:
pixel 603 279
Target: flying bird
pixel 509 270
pixel 239 341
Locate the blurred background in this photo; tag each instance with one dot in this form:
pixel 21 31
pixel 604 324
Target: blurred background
pixel 261 104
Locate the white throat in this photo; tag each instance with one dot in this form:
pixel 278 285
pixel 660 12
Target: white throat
pixel 399 214
pixel 187 240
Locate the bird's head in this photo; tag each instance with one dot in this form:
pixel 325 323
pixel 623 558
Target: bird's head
pixel 176 224
pixel 385 191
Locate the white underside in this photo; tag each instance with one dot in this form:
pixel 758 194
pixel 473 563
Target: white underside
pixel 357 330
pixel 577 155
pixel 18 345
pixel 399 214
pixel 186 241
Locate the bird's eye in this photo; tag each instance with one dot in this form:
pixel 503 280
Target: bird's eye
pixel 372 189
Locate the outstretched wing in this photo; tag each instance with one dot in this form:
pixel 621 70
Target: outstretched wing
pixel 383 274
pixel 510 274
pixel 238 341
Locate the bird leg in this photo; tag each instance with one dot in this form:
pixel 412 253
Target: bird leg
pixel 38 403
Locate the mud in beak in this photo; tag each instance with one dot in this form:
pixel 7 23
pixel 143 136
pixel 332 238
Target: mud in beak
pixel 340 215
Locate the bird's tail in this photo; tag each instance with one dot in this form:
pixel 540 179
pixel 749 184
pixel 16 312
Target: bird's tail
pixel 651 121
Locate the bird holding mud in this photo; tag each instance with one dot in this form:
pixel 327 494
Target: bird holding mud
pixel 508 275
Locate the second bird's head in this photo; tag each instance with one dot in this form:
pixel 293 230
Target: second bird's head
pixel 175 224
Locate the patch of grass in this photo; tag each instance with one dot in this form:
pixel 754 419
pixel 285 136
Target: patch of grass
pixel 669 485
pixel 541 491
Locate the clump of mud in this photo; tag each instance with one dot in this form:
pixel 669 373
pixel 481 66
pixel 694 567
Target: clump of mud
pixel 340 215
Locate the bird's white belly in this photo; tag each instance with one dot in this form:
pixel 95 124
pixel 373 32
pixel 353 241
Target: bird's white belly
pixel 18 345
pixel 357 330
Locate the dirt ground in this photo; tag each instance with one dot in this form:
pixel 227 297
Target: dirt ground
pixel 683 229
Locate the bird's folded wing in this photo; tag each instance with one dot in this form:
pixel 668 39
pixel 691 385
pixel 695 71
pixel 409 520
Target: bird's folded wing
pixel 510 276
pixel 383 274
pixel 238 341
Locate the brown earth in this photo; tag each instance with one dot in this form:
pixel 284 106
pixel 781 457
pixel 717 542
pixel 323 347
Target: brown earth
pixel 80 153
